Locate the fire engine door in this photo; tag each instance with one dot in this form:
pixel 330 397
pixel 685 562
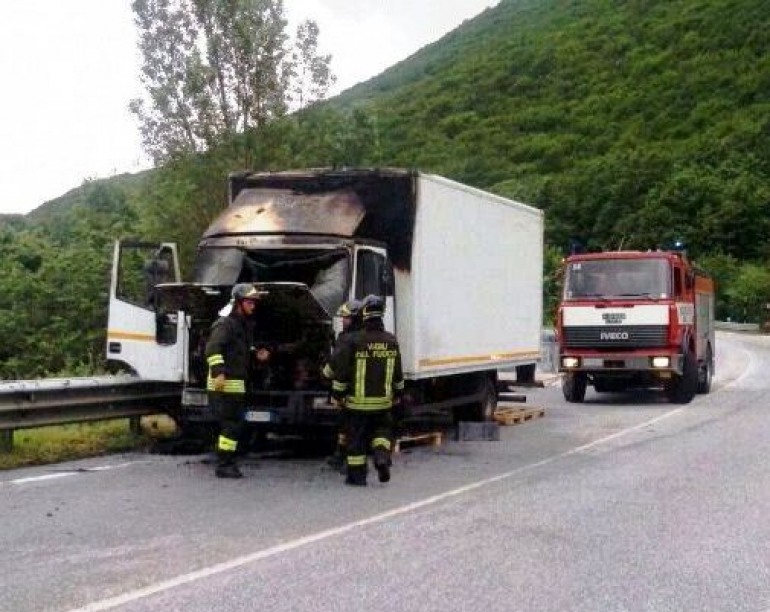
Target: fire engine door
pixel 150 344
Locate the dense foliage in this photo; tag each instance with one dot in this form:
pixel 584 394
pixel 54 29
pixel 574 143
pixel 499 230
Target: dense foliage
pixel 216 68
pixel 630 122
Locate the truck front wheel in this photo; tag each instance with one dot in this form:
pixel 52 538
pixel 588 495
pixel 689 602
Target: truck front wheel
pixel 681 389
pixel 573 385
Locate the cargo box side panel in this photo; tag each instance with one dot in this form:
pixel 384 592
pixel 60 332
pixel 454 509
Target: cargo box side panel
pixel 405 316
pixel 476 285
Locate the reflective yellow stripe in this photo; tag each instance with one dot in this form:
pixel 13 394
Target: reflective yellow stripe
pixel 399 385
pixel 327 371
pixel 213 360
pixel 227 445
pixel 381 405
pixel 389 367
pixel 121 335
pixel 529 354
pixel 381 443
pixel 369 400
pixel 356 460
pixel 339 386
pixel 360 388
pixel 232 385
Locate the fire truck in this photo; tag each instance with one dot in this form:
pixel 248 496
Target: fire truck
pixel 634 319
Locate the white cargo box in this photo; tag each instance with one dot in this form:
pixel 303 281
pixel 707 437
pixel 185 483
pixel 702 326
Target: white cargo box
pixel 472 299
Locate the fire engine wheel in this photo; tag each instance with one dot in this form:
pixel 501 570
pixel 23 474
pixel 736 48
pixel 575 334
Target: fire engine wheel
pixel 706 373
pixel 682 389
pixel 573 385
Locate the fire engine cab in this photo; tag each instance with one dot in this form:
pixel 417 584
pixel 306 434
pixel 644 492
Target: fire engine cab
pixel 634 319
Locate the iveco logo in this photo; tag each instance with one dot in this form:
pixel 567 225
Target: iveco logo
pixel 614 318
pixel 613 335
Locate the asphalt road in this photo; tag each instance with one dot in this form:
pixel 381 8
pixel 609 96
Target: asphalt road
pixel 621 503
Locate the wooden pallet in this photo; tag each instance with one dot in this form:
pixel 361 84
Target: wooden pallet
pixel 432 438
pixel 513 416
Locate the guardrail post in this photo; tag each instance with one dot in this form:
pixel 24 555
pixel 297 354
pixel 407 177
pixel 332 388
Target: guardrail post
pixel 135 425
pixel 6 440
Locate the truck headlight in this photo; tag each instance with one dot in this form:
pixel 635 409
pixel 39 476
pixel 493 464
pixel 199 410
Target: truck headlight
pixel 570 362
pixel 661 362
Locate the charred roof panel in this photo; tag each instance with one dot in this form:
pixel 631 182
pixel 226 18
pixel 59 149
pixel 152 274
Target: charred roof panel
pixel 387 198
pixel 285 211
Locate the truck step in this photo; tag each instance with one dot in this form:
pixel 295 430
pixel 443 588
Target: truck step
pixel 514 416
pixel 432 438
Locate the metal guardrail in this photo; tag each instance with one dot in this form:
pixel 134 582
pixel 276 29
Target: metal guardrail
pixel 738 327
pixel 37 403
pixel 549 354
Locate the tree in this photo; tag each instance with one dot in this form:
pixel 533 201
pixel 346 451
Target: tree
pixel 216 68
pixel 311 75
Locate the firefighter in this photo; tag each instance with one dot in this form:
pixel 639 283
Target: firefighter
pixel 349 312
pixel 367 379
pixel 228 353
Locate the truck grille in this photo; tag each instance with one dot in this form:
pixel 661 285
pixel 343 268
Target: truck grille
pixel 613 336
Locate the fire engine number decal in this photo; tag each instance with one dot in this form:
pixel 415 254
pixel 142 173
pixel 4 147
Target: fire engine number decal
pixel 685 313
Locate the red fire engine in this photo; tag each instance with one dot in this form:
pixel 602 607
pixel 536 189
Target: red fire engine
pixel 631 319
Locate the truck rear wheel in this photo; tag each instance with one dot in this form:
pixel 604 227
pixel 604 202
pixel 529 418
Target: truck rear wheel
pixel 681 389
pixel 573 385
pixel 481 410
pixel 706 373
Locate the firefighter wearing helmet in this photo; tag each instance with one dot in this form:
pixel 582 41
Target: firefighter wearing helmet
pixel 367 380
pixel 228 352
pixel 349 314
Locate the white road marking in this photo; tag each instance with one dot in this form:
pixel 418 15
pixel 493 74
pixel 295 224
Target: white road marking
pixel 66 474
pixel 219 568
pixel 39 478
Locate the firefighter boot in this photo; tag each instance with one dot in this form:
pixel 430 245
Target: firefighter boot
pixel 226 466
pixel 356 476
pixel 382 464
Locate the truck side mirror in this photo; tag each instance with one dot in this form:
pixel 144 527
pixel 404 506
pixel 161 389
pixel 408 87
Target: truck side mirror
pixel 689 280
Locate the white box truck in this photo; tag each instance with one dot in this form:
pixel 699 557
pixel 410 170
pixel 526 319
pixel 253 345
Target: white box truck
pixel 460 268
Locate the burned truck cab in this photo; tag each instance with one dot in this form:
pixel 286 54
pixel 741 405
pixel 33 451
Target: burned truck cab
pixel 308 245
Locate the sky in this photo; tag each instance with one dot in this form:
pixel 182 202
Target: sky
pixel 70 67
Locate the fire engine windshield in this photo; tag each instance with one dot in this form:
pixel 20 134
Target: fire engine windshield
pixel 608 278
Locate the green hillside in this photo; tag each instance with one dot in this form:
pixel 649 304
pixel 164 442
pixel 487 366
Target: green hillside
pixel 631 123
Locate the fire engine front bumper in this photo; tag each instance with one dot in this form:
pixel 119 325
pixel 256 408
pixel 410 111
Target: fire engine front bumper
pixel 662 365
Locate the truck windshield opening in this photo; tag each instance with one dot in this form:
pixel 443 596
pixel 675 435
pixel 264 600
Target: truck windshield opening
pixel 609 278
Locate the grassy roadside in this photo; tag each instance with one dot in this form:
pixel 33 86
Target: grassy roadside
pixel 45 445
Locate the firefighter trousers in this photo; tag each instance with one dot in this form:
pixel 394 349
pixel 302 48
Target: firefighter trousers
pixel 229 408
pixel 365 430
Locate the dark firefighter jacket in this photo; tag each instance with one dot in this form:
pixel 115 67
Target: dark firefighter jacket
pixel 365 369
pixel 228 351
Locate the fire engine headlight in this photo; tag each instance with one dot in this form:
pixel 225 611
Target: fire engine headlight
pixel 570 362
pixel 661 362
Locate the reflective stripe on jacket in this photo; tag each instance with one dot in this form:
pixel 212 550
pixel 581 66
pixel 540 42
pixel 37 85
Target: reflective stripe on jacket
pixel 228 352
pixel 366 369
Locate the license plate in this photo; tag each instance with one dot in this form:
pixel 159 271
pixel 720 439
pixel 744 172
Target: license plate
pixel 591 362
pixel 258 416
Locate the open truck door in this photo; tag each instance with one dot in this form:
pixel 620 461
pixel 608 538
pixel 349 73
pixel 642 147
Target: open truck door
pixel 141 338
pixel 373 275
